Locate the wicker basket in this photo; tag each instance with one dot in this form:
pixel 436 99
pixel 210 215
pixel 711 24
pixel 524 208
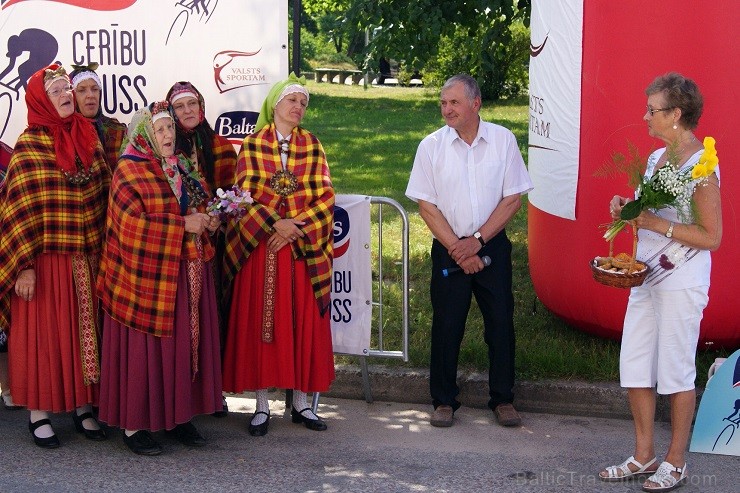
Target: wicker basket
pixel 616 279
pixel 619 279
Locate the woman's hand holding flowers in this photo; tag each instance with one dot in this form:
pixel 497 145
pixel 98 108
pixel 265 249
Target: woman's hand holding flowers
pixel 213 224
pixel 196 222
pixel 615 206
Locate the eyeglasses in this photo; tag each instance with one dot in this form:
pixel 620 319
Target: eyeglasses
pixel 54 93
pixel 654 111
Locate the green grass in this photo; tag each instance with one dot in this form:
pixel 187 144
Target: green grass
pixel 370 137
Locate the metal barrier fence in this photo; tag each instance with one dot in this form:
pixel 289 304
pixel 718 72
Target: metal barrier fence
pixel 378 304
pixel 381 351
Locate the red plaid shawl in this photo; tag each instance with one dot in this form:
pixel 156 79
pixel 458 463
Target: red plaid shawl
pixel 42 212
pixel 224 158
pixel 114 132
pixel 313 203
pixel 145 242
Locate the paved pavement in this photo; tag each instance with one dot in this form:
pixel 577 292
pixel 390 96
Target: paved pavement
pixel 369 447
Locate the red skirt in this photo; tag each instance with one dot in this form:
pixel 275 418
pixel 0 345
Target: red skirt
pixel 147 381
pixel 300 355
pixel 44 354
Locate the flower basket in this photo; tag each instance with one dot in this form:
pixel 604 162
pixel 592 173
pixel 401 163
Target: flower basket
pixel 620 271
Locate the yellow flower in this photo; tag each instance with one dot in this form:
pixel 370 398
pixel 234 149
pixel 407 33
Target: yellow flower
pixel 699 171
pixel 707 161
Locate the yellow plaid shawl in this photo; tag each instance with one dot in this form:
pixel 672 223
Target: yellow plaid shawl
pixel 145 242
pixel 114 132
pixel 42 212
pixel 313 203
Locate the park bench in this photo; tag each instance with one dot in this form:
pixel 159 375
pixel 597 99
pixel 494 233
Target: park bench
pixel 342 75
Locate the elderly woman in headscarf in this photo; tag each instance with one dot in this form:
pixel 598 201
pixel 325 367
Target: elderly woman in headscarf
pixel 88 90
pixel 279 257
pixel 161 358
pixel 215 159
pixel 52 217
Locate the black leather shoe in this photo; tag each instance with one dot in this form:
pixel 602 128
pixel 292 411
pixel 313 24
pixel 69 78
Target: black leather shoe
pixel 8 403
pixel 187 434
pixel 143 443
pixel 312 424
pixel 49 442
pixel 260 429
pixel 97 435
pixel 223 412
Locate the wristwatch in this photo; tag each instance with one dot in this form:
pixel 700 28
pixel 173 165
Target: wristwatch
pixel 479 237
pixel 669 233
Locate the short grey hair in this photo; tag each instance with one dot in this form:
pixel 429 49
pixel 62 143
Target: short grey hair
pixel 472 90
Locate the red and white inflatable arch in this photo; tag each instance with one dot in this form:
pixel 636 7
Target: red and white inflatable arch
pixel 590 64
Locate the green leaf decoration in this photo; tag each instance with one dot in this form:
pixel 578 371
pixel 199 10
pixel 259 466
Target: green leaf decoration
pixel 631 210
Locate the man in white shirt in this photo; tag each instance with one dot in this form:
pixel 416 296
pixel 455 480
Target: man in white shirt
pixel 467 178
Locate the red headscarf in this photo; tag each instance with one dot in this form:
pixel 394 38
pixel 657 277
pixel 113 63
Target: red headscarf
pixel 72 135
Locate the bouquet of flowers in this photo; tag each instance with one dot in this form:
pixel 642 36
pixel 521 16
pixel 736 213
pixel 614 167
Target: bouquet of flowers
pixel 231 203
pixel 669 186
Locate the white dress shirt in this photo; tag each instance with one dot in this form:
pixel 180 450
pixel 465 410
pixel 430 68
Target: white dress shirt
pixel 467 182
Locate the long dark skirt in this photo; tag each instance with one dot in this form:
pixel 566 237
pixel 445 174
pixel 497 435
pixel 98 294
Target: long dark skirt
pixel 147 381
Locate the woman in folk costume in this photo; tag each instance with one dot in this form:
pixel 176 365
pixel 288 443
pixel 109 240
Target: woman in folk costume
pixel 279 257
pixel 52 218
pixel 215 159
pixel 88 91
pixel 161 358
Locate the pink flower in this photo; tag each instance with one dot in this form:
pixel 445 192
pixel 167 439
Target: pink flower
pixel 665 263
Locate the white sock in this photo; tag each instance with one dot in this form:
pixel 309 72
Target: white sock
pixel 263 406
pixel 129 432
pixel 300 403
pixel 89 423
pixel 44 431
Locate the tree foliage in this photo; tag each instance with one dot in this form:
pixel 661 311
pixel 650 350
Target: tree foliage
pixel 414 32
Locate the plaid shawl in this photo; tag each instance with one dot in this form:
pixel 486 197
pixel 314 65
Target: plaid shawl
pixel 114 133
pixel 42 212
pixel 313 203
pixel 224 158
pixel 145 243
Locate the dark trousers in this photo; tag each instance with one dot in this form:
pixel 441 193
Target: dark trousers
pixel 451 297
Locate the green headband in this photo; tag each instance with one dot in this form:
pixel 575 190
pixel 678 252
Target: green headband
pixel 268 105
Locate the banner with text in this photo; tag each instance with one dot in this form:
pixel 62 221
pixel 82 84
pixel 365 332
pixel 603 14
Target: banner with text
pixel 555 105
pixel 233 51
pixel 351 288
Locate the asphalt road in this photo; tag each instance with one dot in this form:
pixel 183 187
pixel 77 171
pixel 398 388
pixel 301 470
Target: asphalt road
pixel 378 447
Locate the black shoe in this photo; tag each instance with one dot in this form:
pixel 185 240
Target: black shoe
pixel 49 442
pixel 312 424
pixel 142 442
pixel 187 434
pixel 97 435
pixel 260 429
pixel 223 412
pixel 8 403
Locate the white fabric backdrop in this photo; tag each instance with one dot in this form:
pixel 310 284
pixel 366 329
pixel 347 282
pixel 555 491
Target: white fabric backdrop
pixel 351 309
pixel 233 51
pixel 555 104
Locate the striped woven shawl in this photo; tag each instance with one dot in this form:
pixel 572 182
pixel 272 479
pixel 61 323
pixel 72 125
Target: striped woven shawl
pixel 312 202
